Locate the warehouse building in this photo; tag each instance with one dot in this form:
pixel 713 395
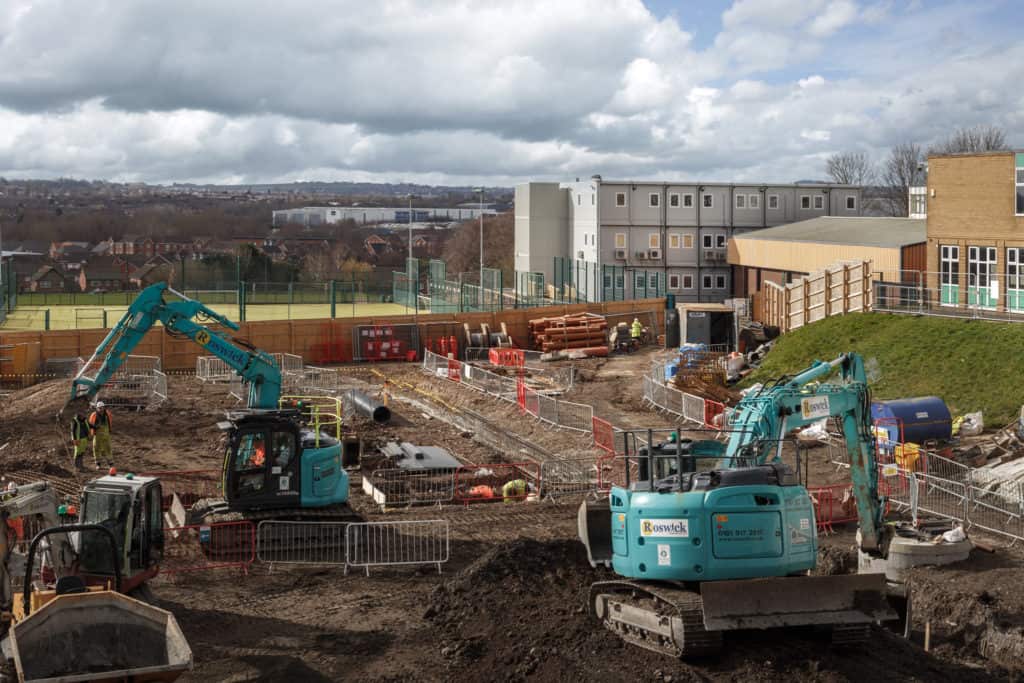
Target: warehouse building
pixel 604 240
pixel 788 252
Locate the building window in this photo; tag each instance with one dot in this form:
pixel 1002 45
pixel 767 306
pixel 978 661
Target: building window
pixel 654 241
pixel 708 241
pixel 673 241
pixel 687 282
pixel 773 201
pixel 639 282
pixel 620 282
pixel 1014 277
pixel 673 200
pixel 819 202
pixel 982 285
pixel 652 281
pixel 673 282
pixel 720 241
pixel 688 201
pixel 719 282
pixel 579 200
pixel 620 240
pixel 607 281
pixel 620 199
pixel 805 201
pixel 1019 178
pixel 851 203
pixel 754 201
pixel 741 201
pixel 687 241
pixel 654 198
pixel 919 204
pixel 706 282
pixel 709 201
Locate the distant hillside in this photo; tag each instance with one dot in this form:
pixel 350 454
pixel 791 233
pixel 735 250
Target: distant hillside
pixel 971 364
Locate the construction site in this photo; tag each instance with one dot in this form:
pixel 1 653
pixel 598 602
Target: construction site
pixel 455 518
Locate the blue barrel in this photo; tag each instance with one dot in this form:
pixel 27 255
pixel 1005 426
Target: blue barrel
pixel 923 419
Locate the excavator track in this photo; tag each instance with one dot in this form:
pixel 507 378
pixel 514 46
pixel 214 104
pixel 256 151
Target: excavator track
pixel 662 618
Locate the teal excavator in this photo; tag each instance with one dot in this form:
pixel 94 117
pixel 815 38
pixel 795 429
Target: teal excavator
pixel 274 466
pixel 730 547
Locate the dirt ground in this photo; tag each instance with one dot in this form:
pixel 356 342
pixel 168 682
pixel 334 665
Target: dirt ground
pixel 509 604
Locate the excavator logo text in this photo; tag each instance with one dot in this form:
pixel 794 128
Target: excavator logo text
pixel 675 528
pixel 202 337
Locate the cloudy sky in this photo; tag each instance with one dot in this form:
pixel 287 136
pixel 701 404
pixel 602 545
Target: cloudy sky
pixel 492 91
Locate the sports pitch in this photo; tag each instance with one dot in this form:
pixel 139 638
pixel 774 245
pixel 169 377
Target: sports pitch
pixel 72 317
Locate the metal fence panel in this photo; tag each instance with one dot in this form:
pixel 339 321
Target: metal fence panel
pixel 410 487
pixel 281 542
pixel 377 544
pixel 575 477
pixel 486 483
pixel 208 546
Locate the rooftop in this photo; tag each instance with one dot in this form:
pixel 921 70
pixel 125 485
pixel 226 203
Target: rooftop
pixel 861 231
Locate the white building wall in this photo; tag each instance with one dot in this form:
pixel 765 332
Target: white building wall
pixel 541 227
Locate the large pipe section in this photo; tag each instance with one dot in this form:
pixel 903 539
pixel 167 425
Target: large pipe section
pixel 370 407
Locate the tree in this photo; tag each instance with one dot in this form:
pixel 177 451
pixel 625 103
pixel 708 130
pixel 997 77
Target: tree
pixel 851 168
pixel 462 251
pixel 899 172
pixel 981 138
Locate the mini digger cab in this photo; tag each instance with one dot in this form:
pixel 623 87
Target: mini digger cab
pixel 727 547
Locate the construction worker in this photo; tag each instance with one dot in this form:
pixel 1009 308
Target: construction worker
pixel 79 439
pixel 99 428
pixel 259 454
pixel 636 330
pixel 513 490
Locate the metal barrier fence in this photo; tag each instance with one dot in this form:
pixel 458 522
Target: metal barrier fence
pixel 833 504
pixel 392 487
pixel 188 485
pixel 204 547
pixel 699 411
pixel 558 413
pixel 385 342
pixel 575 477
pixel 159 388
pixel 213 369
pixel 63 367
pixel 292 542
pixel 413 542
pixel 604 434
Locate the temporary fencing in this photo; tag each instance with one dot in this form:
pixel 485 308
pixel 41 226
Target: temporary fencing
pixel 489 483
pixel 833 504
pixel 63 367
pixel 211 546
pixel 188 485
pixel 558 413
pixel 213 369
pixel 604 434
pixel 392 487
pixel 293 542
pixel 570 477
pixel 413 542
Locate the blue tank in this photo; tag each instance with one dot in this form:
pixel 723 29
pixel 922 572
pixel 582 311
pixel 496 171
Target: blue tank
pixel 923 419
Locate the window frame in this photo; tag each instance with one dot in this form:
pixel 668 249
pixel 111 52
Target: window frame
pixel 720 279
pixel 805 202
pixel 687 241
pixel 674 240
pixel 653 200
pixel 705 281
pixel 687 200
pixel 819 200
pixel 673 277
pixel 721 241
pixel 687 278
pixel 622 196
pixel 655 278
pixel 851 202
pixel 708 200
pixel 1014 281
pixel 753 201
pixel 639 281
pixel 623 241
pixel 1018 185
pixel 654 240
pixel 673 200
pixel 740 201
pixel 708 241
pixel 774 197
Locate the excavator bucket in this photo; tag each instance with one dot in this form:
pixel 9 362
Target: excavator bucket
pixel 99 636
pixel 795 601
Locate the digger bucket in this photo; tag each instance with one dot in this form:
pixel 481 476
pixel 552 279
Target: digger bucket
pixel 795 601
pixel 99 636
pixel 594 526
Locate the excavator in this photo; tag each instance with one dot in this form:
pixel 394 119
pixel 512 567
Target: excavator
pixel 71 615
pixel 699 553
pixel 274 466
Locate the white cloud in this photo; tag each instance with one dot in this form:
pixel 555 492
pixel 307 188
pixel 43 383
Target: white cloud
pixel 471 92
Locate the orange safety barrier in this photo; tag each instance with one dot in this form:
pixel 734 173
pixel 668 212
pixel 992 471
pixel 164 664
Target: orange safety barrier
pixel 487 483
pixel 510 358
pixel 713 410
pixel 604 435
pixel 454 370
pixel 833 504
pixel 208 546
pixel 521 393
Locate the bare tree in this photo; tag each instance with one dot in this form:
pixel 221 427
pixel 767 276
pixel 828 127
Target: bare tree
pixel 899 172
pixel 982 138
pixel 851 168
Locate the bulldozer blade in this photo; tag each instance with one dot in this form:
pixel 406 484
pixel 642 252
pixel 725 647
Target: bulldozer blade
pixel 795 601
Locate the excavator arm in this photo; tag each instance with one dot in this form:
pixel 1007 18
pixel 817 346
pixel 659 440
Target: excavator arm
pixel 179 318
pixel 762 422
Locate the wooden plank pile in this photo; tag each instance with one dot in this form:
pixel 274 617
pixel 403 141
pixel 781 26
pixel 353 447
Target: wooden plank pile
pixel 578 331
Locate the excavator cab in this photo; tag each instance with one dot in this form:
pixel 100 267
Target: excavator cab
pixel 131 509
pixel 271 462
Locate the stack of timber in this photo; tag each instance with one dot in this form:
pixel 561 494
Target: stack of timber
pixel 579 331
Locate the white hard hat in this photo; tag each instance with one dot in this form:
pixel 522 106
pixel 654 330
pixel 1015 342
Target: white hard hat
pixel 100 404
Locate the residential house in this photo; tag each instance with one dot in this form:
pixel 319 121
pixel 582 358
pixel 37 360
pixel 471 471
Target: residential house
pixel 50 278
pixel 150 273
pixel 21 267
pixel 71 255
pixel 103 274
pixel 613 240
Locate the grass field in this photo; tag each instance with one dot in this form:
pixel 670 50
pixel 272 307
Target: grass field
pixel 71 317
pixel 971 364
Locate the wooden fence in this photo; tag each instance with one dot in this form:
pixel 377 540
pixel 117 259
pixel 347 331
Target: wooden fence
pixel 317 341
pixel 840 288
